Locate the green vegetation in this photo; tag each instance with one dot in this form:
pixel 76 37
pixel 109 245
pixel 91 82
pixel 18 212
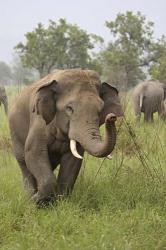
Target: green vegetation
pixel 127 52
pixel 61 45
pixel 116 204
pixel 5 73
pixel 124 60
pixel 158 68
pixel 131 52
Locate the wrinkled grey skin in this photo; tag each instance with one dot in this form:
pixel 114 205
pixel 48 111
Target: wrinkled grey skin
pixel 148 97
pixel 3 98
pixel 66 104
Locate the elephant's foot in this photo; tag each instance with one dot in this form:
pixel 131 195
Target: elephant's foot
pixel 47 193
pixel 43 201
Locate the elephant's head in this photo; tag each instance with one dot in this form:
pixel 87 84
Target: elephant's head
pixel 80 103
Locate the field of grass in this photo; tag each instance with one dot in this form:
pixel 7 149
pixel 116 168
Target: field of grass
pixel 117 204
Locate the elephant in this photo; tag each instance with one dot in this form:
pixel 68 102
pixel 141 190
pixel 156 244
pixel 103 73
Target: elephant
pixel 54 121
pixel 149 97
pixel 3 98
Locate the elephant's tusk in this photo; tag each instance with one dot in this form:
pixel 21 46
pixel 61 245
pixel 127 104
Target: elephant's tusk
pixel 74 149
pixel 109 157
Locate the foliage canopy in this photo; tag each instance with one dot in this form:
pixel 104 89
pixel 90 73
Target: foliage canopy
pixel 126 54
pixel 61 45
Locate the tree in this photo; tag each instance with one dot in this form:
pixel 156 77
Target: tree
pixel 5 73
pixel 22 75
pixel 61 45
pixel 127 53
pixel 158 58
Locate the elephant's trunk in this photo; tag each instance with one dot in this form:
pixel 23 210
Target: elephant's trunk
pixel 91 141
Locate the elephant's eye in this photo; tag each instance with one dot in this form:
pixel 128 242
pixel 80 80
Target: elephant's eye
pixel 69 109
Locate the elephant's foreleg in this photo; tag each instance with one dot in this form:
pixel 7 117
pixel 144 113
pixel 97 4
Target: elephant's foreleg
pixel 152 119
pixel 137 108
pixel 69 170
pixel 5 103
pixel 37 161
pixel 148 116
pixel 28 179
pixel 162 111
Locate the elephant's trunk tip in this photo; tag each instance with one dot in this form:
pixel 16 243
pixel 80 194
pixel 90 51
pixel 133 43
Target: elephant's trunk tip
pixel 110 118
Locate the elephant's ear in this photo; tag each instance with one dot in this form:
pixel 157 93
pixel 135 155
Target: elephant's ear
pixel 44 100
pixel 109 95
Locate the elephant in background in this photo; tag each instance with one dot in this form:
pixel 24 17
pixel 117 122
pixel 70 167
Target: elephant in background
pixel 148 97
pixel 54 121
pixel 3 98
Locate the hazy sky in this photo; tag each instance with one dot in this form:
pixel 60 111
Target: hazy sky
pixel 20 16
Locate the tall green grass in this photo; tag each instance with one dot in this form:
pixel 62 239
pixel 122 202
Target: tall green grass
pixel 116 204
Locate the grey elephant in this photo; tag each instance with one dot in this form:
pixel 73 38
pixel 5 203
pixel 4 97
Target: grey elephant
pixel 53 121
pixel 148 97
pixel 3 98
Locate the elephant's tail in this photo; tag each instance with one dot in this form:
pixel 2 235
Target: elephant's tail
pixel 140 101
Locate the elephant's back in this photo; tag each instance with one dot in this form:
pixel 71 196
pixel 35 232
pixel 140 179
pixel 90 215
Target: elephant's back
pixel 154 92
